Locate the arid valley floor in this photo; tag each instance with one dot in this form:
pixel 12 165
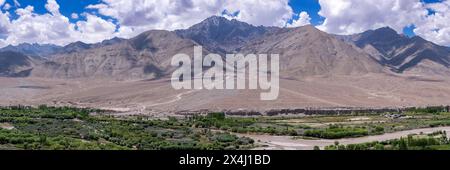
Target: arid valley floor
pixel 148 97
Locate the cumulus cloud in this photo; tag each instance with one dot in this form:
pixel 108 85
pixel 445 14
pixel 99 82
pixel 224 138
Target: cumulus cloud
pixel 7 6
pixel 304 19
pixel 95 28
pixel 138 16
pixel 436 27
pixel 52 27
pixel 52 7
pixel 31 27
pixel 261 12
pixel 4 25
pixel 141 15
pixel 354 16
pixel 74 16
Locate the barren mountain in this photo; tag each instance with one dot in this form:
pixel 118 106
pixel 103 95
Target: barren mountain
pixel 146 56
pixel 304 51
pixel 317 70
pixel 307 51
pixel 80 46
pixel 404 54
pixel 14 64
pixel 112 41
pixel 75 47
pixel 221 35
pixel 33 50
pixel 48 50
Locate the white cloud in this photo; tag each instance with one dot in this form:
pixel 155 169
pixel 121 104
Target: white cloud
pixel 74 16
pixel 52 27
pixel 4 25
pixel 52 7
pixel 436 27
pixel 95 28
pixel 7 6
pixel 262 12
pixel 142 15
pixel 304 19
pixel 48 28
pixel 354 16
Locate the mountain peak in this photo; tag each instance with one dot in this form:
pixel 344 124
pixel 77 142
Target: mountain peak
pixel 75 47
pixel 25 44
pixel 220 34
pixel 112 41
pixel 309 28
pixel 398 51
pixel 384 32
pixel 377 36
pixel 386 29
pixel 215 18
pixel 216 21
pixel 78 43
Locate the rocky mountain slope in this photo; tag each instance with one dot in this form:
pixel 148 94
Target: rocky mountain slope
pixel 307 51
pixel 14 64
pixel 403 54
pixel 33 50
pixel 146 56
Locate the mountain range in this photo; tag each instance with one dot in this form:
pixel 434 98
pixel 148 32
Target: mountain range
pixel 402 53
pixel 33 50
pixel 304 51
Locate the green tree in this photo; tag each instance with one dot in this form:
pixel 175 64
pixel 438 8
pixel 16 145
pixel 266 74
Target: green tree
pixel 403 145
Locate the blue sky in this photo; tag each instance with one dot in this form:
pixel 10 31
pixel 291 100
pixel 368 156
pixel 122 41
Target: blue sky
pixel 79 6
pixel 102 19
pixel 67 7
pixel 312 7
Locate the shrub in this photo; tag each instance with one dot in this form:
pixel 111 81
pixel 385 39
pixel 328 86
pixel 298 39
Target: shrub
pixel 336 133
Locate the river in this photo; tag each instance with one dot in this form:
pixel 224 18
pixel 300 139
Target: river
pixel 289 143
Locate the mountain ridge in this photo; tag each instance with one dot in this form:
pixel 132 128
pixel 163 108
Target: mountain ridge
pixel 33 50
pixel 141 57
pixel 304 51
pixel 307 51
pixel 399 52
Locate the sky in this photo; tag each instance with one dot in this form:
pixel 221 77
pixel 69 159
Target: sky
pixel 64 21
